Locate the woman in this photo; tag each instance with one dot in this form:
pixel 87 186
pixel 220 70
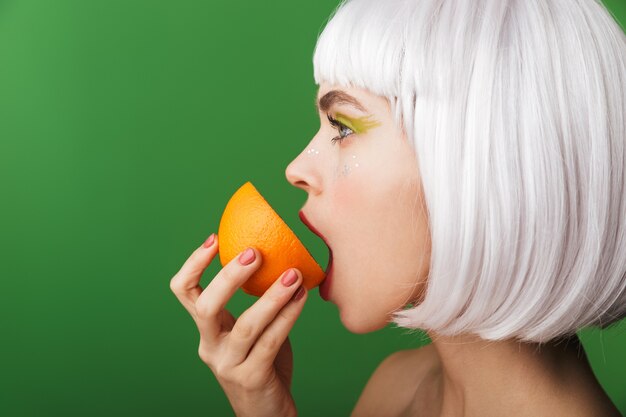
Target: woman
pixel 467 177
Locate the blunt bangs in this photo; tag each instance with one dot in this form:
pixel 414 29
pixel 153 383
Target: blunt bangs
pixel 363 46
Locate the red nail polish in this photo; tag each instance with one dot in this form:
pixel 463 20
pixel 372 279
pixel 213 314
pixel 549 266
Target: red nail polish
pixel 299 294
pixel 210 240
pixel 247 257
pixel 290 278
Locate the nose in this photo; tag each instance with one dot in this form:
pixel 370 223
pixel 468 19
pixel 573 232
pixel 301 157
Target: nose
pixel 300 174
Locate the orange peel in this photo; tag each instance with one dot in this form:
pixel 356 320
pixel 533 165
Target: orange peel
pixel 249 221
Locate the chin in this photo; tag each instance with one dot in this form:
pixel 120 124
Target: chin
pixel 358 324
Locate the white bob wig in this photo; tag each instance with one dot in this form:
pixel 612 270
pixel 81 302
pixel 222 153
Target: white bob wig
pixel 516 110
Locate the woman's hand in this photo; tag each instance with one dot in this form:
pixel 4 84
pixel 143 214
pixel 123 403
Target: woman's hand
pixel 250 356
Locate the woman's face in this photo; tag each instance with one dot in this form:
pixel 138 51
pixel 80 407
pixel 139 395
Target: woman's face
pixel 365 198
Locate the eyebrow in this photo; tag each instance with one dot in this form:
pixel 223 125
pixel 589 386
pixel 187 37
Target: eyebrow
pixel 337 97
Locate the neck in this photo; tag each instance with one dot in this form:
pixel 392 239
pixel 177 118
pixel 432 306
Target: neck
pixel 501 376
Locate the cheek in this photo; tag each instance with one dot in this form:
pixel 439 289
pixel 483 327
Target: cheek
pixel 347 166
pixel 351 177
pixel 345 201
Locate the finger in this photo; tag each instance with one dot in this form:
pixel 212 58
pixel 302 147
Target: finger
pixel 185 284
pixel 267 346
pixel 253 322
pixel 213 300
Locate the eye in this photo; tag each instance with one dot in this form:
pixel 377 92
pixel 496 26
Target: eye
pixel 344 130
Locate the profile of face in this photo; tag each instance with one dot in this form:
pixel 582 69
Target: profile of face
pixel 365 198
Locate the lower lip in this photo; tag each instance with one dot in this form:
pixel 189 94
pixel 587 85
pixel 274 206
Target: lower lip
pixel 325 286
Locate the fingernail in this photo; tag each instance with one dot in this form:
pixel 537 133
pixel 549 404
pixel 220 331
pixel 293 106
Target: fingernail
pixel 299 294
pixel 246 257
pixel 207 243
pixel 289 278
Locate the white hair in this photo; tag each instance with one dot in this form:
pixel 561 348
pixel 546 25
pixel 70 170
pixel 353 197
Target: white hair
pixel 516 111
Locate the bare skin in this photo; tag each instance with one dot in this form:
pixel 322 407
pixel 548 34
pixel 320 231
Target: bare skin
pixel 513 378
pixel 349 183
pixel 466 376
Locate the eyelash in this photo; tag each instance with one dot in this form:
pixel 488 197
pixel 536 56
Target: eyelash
pixel 339 126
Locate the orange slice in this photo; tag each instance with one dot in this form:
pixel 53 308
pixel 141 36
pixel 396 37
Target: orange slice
pixel 249 220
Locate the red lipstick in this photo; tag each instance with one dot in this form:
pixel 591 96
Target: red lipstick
pixel 324 288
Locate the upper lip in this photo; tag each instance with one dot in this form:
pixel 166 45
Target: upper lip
pixel 313 229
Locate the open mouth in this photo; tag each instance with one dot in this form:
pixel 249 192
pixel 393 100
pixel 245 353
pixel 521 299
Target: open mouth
pixel 330 261
pixel 318 234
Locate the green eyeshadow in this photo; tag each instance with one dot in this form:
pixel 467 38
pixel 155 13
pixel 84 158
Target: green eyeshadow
pixel 358 125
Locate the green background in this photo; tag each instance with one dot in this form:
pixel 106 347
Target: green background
pixel 125 126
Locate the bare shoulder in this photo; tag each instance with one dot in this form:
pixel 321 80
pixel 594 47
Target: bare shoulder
pixel 393 384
